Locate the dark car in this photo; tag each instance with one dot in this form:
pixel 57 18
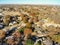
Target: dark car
pixel 33 38
pixel 9 32
pixel 1 26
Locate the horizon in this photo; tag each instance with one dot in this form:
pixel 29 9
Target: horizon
pixel 33 2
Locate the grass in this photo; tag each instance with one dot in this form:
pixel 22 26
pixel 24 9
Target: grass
pixel 56 38
pixel 30 42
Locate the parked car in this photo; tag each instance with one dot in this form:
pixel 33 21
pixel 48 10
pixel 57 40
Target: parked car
pixel 8 33
pixel 1 26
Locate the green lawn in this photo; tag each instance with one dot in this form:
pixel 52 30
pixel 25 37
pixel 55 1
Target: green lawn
pixel 29 42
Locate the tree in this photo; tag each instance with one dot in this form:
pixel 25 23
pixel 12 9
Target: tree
pixel 6 19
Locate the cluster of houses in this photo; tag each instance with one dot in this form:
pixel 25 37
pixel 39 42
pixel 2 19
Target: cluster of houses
pixel 17 25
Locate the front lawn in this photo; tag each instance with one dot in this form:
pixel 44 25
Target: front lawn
pixel 30 42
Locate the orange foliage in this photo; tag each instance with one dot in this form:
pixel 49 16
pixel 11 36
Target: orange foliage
pixel 27 31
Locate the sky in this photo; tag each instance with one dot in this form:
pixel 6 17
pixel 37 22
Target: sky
pixel 48 2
